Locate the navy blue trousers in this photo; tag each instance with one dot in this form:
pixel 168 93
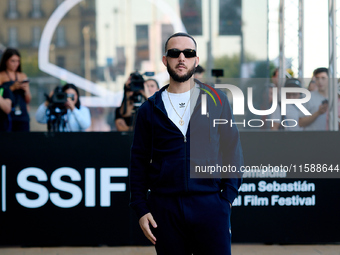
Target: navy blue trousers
pixel 196 224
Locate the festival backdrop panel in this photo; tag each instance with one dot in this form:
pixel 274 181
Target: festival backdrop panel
pixel 73 189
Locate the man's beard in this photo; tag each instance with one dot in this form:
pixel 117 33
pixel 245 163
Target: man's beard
pixel 178 78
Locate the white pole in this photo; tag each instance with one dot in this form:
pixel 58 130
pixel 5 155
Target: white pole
pixel 333 83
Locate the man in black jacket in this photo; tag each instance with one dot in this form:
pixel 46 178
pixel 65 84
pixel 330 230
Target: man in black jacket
pixel 178 213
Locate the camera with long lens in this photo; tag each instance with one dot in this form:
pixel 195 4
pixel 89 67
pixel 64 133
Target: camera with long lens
pixel 57 109
pixel 136 85
pixel 58 100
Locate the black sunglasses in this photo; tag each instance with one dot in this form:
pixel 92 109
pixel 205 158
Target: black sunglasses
pixel 174 53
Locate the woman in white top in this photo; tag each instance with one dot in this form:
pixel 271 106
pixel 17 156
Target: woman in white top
pixel 70 117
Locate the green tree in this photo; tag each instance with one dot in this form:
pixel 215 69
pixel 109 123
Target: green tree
pixel 261 69
pixel 231 64
pixel 29 64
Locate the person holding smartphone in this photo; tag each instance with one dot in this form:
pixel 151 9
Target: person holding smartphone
pixel 318 104
pixel 12 78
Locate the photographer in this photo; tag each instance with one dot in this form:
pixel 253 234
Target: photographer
pixel 62 111
pixel 134 96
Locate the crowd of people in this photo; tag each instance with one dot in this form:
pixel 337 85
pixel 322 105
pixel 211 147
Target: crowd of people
pixel 15 97
pixel 70 115
pixel 318 105
pixel 62 110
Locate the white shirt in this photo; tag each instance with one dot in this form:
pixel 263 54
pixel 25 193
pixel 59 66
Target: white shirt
pixel 313 106
pixel 292 113
pixel 182 104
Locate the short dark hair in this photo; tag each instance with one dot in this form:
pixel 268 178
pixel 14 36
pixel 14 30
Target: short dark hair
pixel 154 81
pixel 320 70
pixel 176 35
pixel 72 86
pixel 9 52
pixel 199 69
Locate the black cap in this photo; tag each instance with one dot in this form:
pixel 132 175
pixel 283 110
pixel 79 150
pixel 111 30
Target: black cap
pixel 293 83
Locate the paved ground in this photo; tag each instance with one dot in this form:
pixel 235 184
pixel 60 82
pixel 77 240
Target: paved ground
pixel 236 250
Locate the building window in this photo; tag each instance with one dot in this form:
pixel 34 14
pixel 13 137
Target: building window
pixel 59 2
pixel 12 9
pixel 88 4
pixel 191 14
pixel 142 44
pixel 88 7
pixel 61 61
pixel 60 37
pixel 91 4
pixel 36 9
pixel 13 37
pixel 36 36
pixel 230 17
pixel 167 31
pixel 121 60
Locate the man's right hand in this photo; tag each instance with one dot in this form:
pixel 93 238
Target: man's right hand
pixel 323 108
pixel 144 224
